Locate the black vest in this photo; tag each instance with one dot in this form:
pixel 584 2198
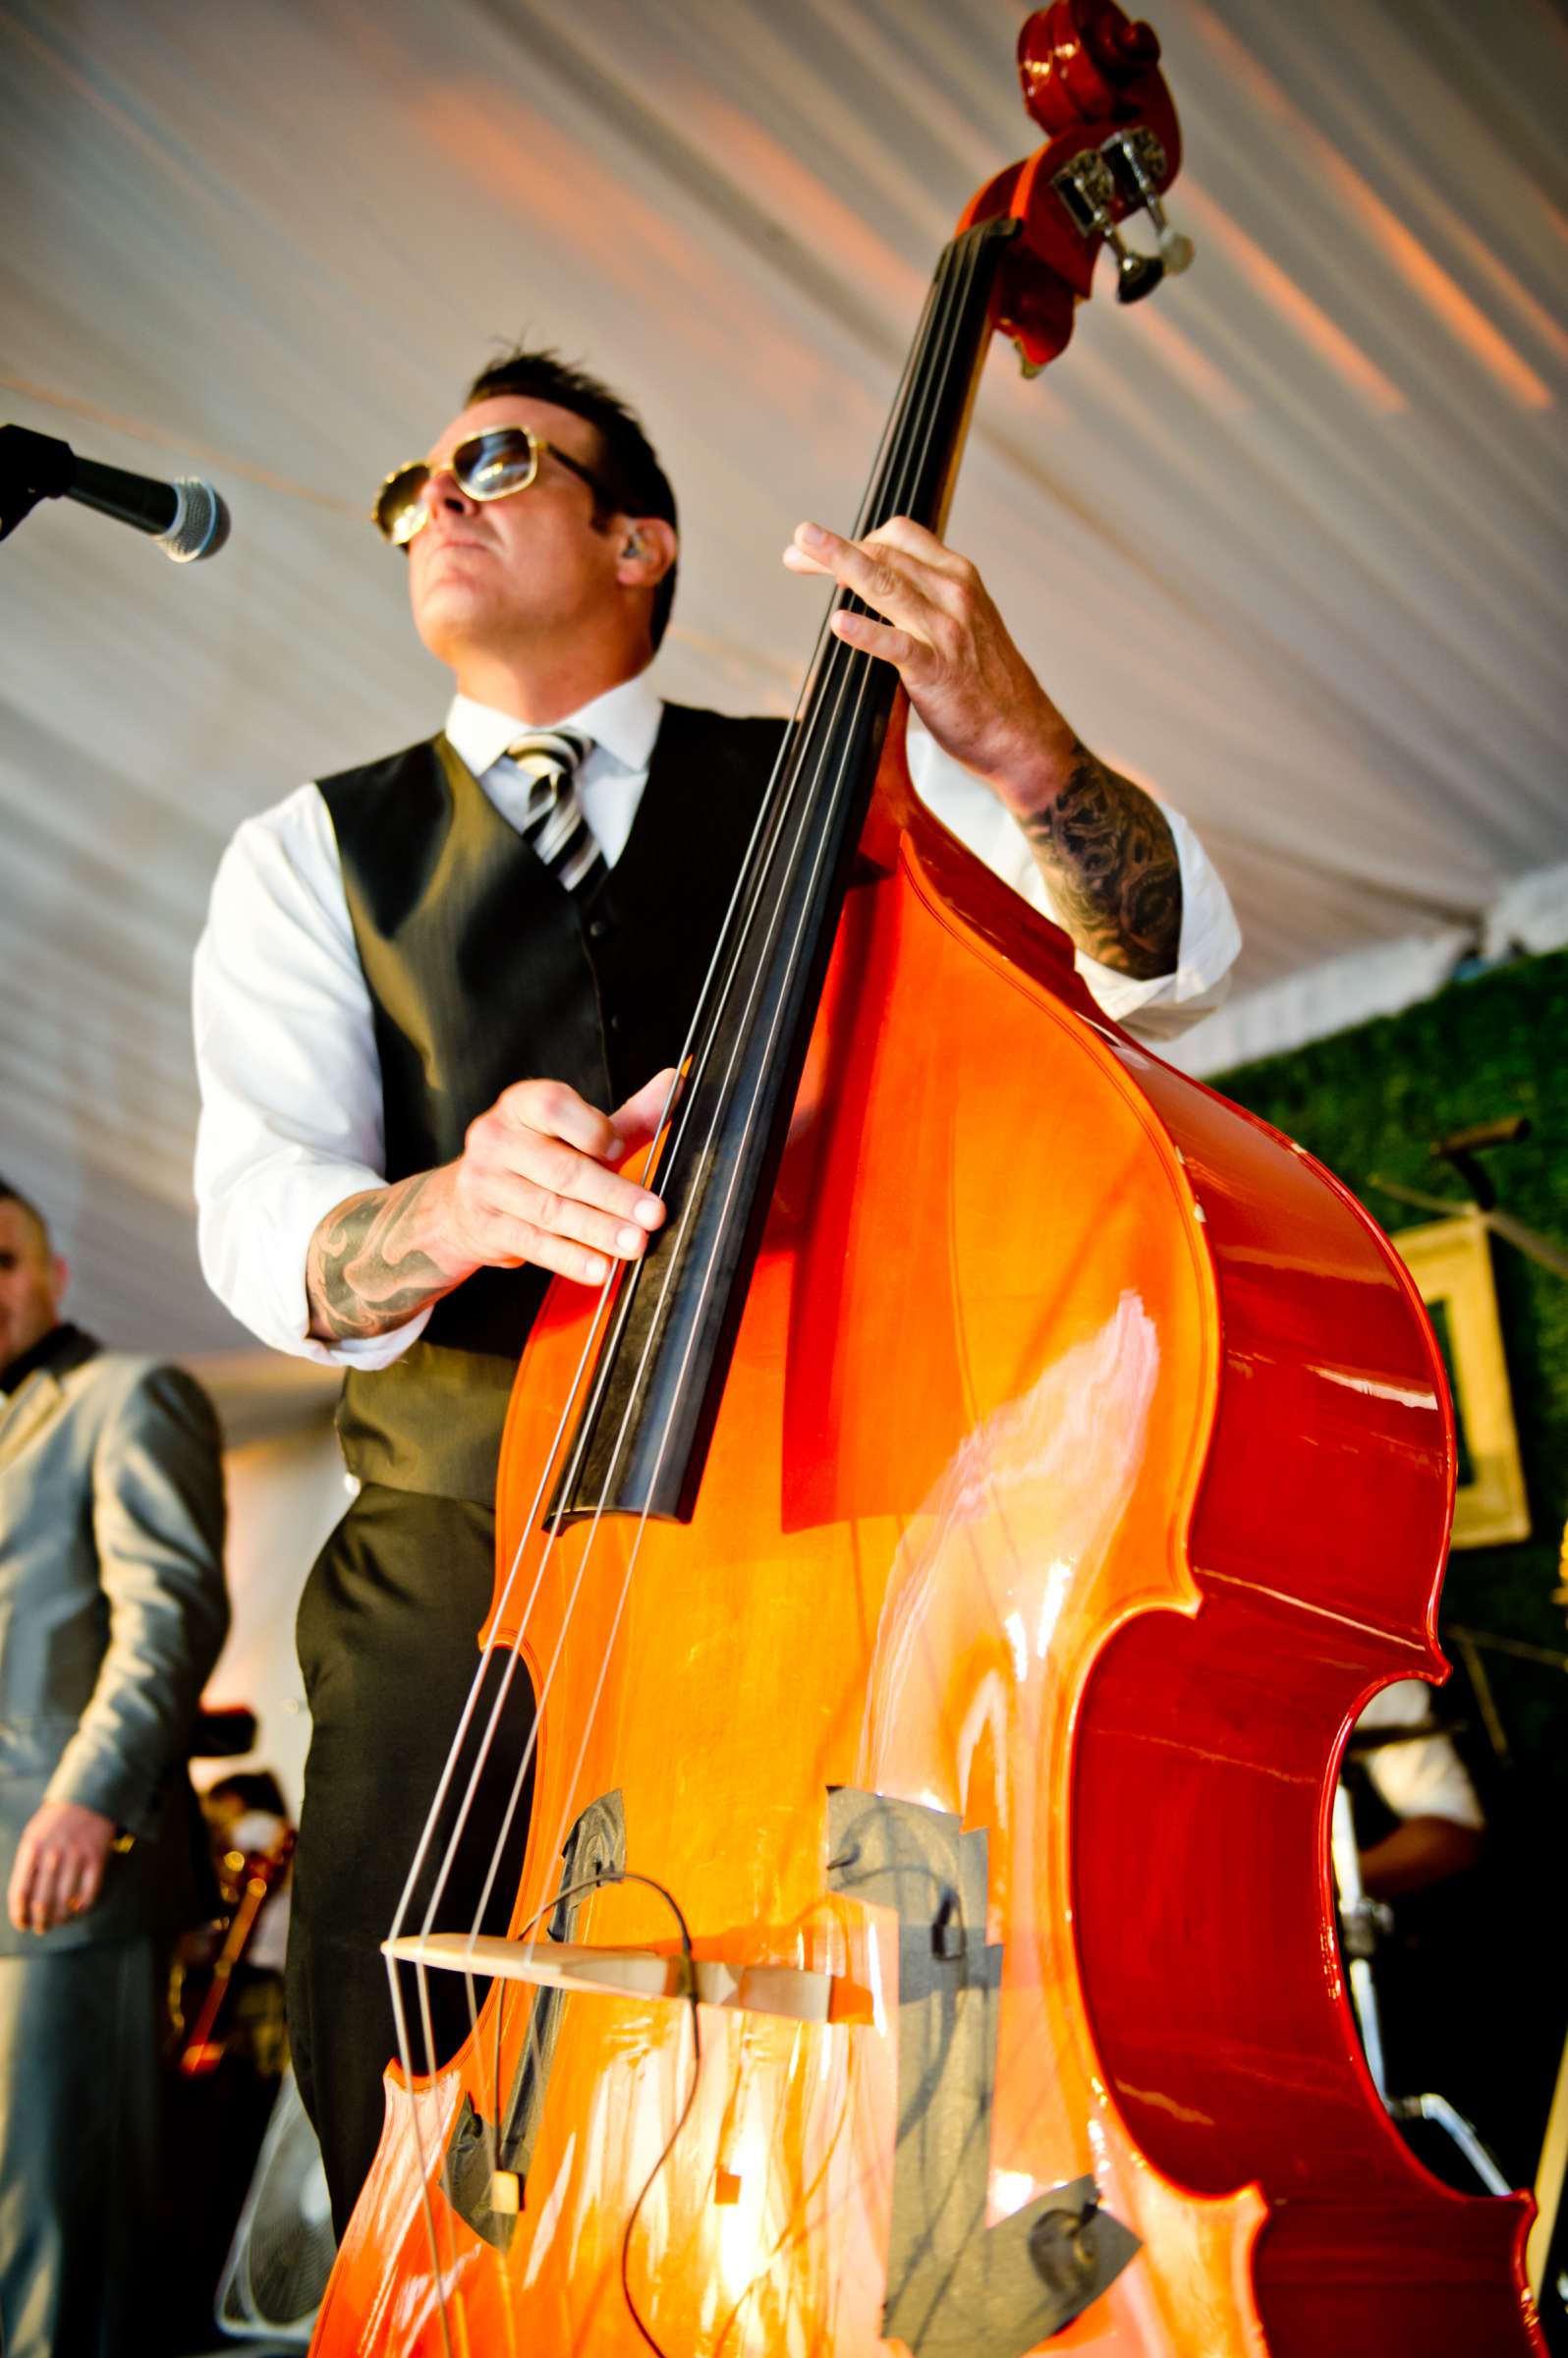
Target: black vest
pixel 484 969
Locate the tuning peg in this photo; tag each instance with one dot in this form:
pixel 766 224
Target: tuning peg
pixel 1137 274
pixel 1087 186
pixel 1143 159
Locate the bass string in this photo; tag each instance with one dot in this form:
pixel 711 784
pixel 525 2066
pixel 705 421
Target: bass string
pixel 754 868
pixel 855 674
pixel 850 669
pixel 811 797
pixel 747 884
pixel 491 2114
pixel 493 2108
pixel 852 678
pixel 755 861
pixel 860 674
pixel 790 769
pixel 589 1719
pixel 404 2052
pixel 422 2160
pixel 410 2107
pixel 856 677
pixel 761 846
pixel 860 677
pixel 759 860
pixel 465 1721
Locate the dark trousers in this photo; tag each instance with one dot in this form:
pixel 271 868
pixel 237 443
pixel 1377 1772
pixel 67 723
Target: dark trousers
pixel 388 1633
pixel 79 2109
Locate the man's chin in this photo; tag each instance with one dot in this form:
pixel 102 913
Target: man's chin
pixel 451 568
pixel 450 614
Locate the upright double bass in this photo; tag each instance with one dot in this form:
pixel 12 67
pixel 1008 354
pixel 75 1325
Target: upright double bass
pixel 947 1568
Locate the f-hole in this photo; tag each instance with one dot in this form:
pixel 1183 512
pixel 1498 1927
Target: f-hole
pixel 594 1851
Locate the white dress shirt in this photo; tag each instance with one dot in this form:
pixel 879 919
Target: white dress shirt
pixel 291 1084
pixel 1424 1777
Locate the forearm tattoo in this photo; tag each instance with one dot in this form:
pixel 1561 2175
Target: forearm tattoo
pixel 363 1274
pixel 1110 860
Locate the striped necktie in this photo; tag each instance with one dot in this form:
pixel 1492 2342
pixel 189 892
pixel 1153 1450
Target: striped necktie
pixel 553 821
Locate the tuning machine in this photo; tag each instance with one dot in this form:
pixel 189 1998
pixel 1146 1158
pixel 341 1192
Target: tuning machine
pixel 1128 166
pixel 1139 159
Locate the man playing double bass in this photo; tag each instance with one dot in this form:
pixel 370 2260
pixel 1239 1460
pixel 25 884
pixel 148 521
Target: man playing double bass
pixel 436 1004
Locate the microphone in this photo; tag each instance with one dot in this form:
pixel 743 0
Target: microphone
pixel 186 518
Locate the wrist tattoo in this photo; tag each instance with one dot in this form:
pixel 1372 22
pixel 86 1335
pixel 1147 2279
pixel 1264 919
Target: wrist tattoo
pixel 1110 858
pixel 362 1275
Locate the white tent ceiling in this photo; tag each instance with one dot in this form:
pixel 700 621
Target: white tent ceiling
pixel 1286 540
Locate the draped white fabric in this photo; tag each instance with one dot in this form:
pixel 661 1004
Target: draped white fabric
pixel 1287 540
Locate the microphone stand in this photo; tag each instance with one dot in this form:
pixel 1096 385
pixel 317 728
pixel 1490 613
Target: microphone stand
pixel 186 518
pixel 1362 1920
pixel 32 466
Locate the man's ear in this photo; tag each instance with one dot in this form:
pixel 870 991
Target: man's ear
pixel 646 549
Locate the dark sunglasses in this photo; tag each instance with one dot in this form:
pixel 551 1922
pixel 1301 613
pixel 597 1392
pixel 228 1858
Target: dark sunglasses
pixel 489 466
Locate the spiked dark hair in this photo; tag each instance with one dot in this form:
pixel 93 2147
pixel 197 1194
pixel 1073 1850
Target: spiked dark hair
pixel 626 457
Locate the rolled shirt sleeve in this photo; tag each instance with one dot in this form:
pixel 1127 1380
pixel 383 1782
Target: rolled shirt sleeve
pixel 1158 1008
pixel 291 1085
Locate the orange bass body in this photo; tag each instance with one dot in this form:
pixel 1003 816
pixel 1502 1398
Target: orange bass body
pixel 1082 1466
pixel 999 1487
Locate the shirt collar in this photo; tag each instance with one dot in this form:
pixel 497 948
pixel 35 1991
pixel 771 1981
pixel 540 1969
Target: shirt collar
pixel 62 1345
pixel 624 721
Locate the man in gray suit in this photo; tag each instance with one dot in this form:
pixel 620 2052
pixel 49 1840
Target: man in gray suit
pixel 112 1611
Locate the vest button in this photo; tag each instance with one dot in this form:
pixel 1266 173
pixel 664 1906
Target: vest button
pixel 598 929
pixel 614 1022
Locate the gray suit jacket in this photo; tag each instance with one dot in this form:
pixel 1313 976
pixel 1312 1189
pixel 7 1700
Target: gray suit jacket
pixel 112 1611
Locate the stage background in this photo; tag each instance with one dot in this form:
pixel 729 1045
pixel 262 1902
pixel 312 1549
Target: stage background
pixel 1289 540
